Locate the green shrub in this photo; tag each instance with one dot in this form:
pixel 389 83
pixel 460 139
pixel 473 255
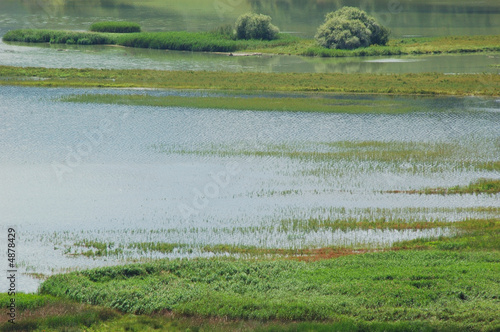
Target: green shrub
pixel 116 27
pixel 349 28
pixel 255 26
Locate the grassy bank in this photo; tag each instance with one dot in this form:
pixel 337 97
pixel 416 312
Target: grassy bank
pixel 421 84
pixel 172 40
pixel 285 44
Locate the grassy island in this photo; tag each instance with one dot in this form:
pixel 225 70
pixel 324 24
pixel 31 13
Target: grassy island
pixel 215 41
pixel 404 84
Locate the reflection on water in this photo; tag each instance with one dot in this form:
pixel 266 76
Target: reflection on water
pixel 70 172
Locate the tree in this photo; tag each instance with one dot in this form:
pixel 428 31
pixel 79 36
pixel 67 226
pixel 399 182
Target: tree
pixel 255 26
pixel 349 28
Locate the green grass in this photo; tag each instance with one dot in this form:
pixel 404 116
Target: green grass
pixel 481 186
pixel 65 315
pixel 436 287
pixel 420 84
pixel 115 27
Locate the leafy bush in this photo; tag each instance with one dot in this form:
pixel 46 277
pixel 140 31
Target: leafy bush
pixel 116 27
pixel 255 26
pixel 349 28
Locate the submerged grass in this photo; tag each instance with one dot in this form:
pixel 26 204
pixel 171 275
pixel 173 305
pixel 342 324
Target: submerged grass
pixel 421 84
pixel 415 156
pixel 306 104
pixel 481 186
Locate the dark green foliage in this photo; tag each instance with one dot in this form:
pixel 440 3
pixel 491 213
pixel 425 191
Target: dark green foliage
pixel 115 27
pixel 350 28
pixel 342 33
pixel 181 41
pixel 58 37
pixel 255 26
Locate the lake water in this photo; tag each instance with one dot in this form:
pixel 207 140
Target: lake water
pixel 403 17
pixel 125 174
pixel 129 174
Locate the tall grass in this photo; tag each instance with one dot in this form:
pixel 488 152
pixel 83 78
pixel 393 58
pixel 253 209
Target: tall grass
pixel 115 27
pixel 436 287
pixel 58 37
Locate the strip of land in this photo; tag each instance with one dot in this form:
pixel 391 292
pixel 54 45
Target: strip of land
pixel 285 44
pixel 404 84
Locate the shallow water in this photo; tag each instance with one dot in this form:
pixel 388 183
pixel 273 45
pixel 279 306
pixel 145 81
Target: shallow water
pixel 111 57
pixel 124 174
